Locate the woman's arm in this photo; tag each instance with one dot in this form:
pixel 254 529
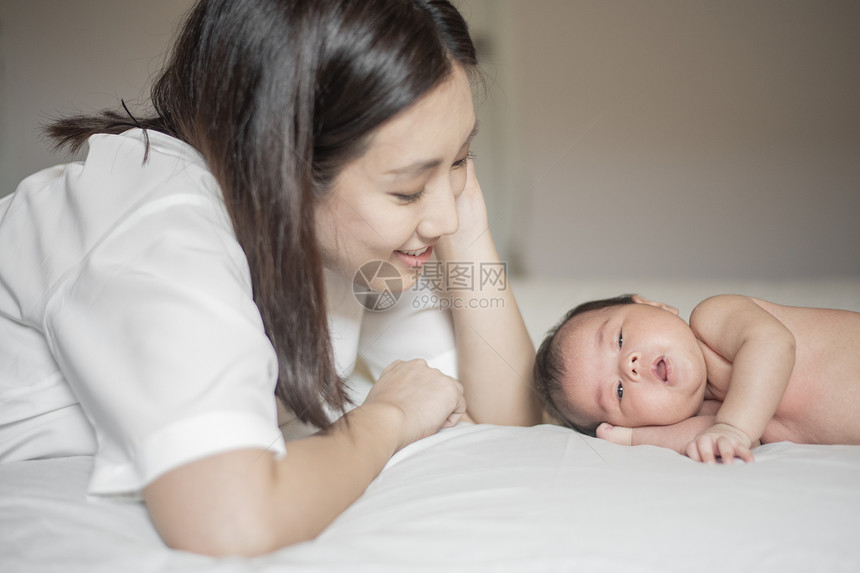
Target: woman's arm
pixel 761 350
pixel 495 352
pixel 247 502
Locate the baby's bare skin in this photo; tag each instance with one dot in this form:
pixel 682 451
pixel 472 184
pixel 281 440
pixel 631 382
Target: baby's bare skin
pixel 817 403
pixel 822 400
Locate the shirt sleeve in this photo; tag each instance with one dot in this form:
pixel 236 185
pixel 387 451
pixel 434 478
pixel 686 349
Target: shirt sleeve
pixel 158 335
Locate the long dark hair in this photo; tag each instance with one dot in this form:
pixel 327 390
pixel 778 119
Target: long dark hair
pixel 278 95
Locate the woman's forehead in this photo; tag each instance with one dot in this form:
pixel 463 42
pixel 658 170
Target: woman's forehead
pixel 426 132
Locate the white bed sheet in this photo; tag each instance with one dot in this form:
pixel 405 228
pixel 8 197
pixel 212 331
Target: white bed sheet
pixel 489 498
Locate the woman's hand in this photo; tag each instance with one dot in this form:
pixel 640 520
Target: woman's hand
pixel 494 352
pixel 721 440
pixel 472 213
pixel 426 398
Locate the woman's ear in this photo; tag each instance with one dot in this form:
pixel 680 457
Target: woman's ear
pixel 642 300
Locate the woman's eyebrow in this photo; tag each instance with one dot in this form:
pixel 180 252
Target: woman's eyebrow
pixel 415 168
pixel 421 166
pixel 472 134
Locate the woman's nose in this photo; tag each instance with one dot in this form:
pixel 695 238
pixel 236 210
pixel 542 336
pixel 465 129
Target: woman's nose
pixel 440 217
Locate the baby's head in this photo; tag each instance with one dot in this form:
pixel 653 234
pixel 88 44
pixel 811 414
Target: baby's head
pixel 624 360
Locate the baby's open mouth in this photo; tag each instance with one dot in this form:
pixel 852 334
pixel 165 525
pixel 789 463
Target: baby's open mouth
pixel 660 369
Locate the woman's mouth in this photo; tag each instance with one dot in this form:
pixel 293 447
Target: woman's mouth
pixel 415 258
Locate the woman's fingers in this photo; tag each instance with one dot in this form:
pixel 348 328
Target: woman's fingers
pixel 427 398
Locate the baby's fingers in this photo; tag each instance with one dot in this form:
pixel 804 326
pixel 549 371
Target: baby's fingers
pixel 692 452
pixel 706 449
pixel 730 450
pixel 726 449
pixel 615 434
pixel 745 454
pixel 702 450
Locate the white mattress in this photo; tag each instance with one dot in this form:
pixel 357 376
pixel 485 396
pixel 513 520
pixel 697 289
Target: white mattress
pixel 489 498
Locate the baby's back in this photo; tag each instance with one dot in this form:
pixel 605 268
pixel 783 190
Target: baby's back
pixel 822 401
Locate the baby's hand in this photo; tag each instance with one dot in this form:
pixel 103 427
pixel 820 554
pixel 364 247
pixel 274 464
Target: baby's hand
pixel 615 434
pixel 721 440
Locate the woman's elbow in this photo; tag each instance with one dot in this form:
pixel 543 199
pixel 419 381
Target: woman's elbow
pixel 227 504
pixel 244 533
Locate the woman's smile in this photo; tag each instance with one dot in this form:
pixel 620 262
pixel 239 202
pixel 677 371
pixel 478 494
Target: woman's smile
pixel 395 201
pixel 416 258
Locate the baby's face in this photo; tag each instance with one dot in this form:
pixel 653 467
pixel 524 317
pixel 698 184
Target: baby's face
pixel 632 365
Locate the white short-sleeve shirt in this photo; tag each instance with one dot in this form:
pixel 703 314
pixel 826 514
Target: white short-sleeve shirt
pixel 126 298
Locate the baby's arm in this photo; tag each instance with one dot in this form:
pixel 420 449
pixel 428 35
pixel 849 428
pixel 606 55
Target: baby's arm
pixel 761 350
pixel 675 436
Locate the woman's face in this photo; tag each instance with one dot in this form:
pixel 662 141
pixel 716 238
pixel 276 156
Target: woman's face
pixel 396 200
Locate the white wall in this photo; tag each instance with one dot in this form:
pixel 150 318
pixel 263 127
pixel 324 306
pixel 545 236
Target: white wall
pixel 59 57
pixel 498 157
pixel 673 138
pixel 689 138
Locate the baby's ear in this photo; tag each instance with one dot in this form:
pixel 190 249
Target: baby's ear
pixel 642 300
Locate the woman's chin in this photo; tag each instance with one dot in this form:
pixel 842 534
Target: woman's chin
pixel 385 277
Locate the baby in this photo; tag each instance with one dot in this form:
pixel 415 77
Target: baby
pixel 744 371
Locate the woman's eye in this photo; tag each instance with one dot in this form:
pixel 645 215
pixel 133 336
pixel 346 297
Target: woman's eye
pixel 408 197
pixel 464 161
pixel 619 390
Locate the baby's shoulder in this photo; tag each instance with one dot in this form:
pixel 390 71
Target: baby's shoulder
pixel 801 320
pixel 722 304
pixel 717 317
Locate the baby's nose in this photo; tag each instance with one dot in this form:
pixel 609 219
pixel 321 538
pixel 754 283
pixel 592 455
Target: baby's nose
pixel 633 365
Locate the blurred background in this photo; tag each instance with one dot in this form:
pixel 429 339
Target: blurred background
pixel 651 139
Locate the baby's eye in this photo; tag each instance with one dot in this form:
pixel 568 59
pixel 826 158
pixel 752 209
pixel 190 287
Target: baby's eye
pixel 619 390
pixel 620 338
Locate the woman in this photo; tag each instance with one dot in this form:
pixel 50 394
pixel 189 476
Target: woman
pixel 160 291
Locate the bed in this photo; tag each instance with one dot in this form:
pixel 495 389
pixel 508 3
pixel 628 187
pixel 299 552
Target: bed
pixel 488 498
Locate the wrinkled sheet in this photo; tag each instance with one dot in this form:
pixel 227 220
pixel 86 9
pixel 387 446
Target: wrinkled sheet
pixel 490 498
